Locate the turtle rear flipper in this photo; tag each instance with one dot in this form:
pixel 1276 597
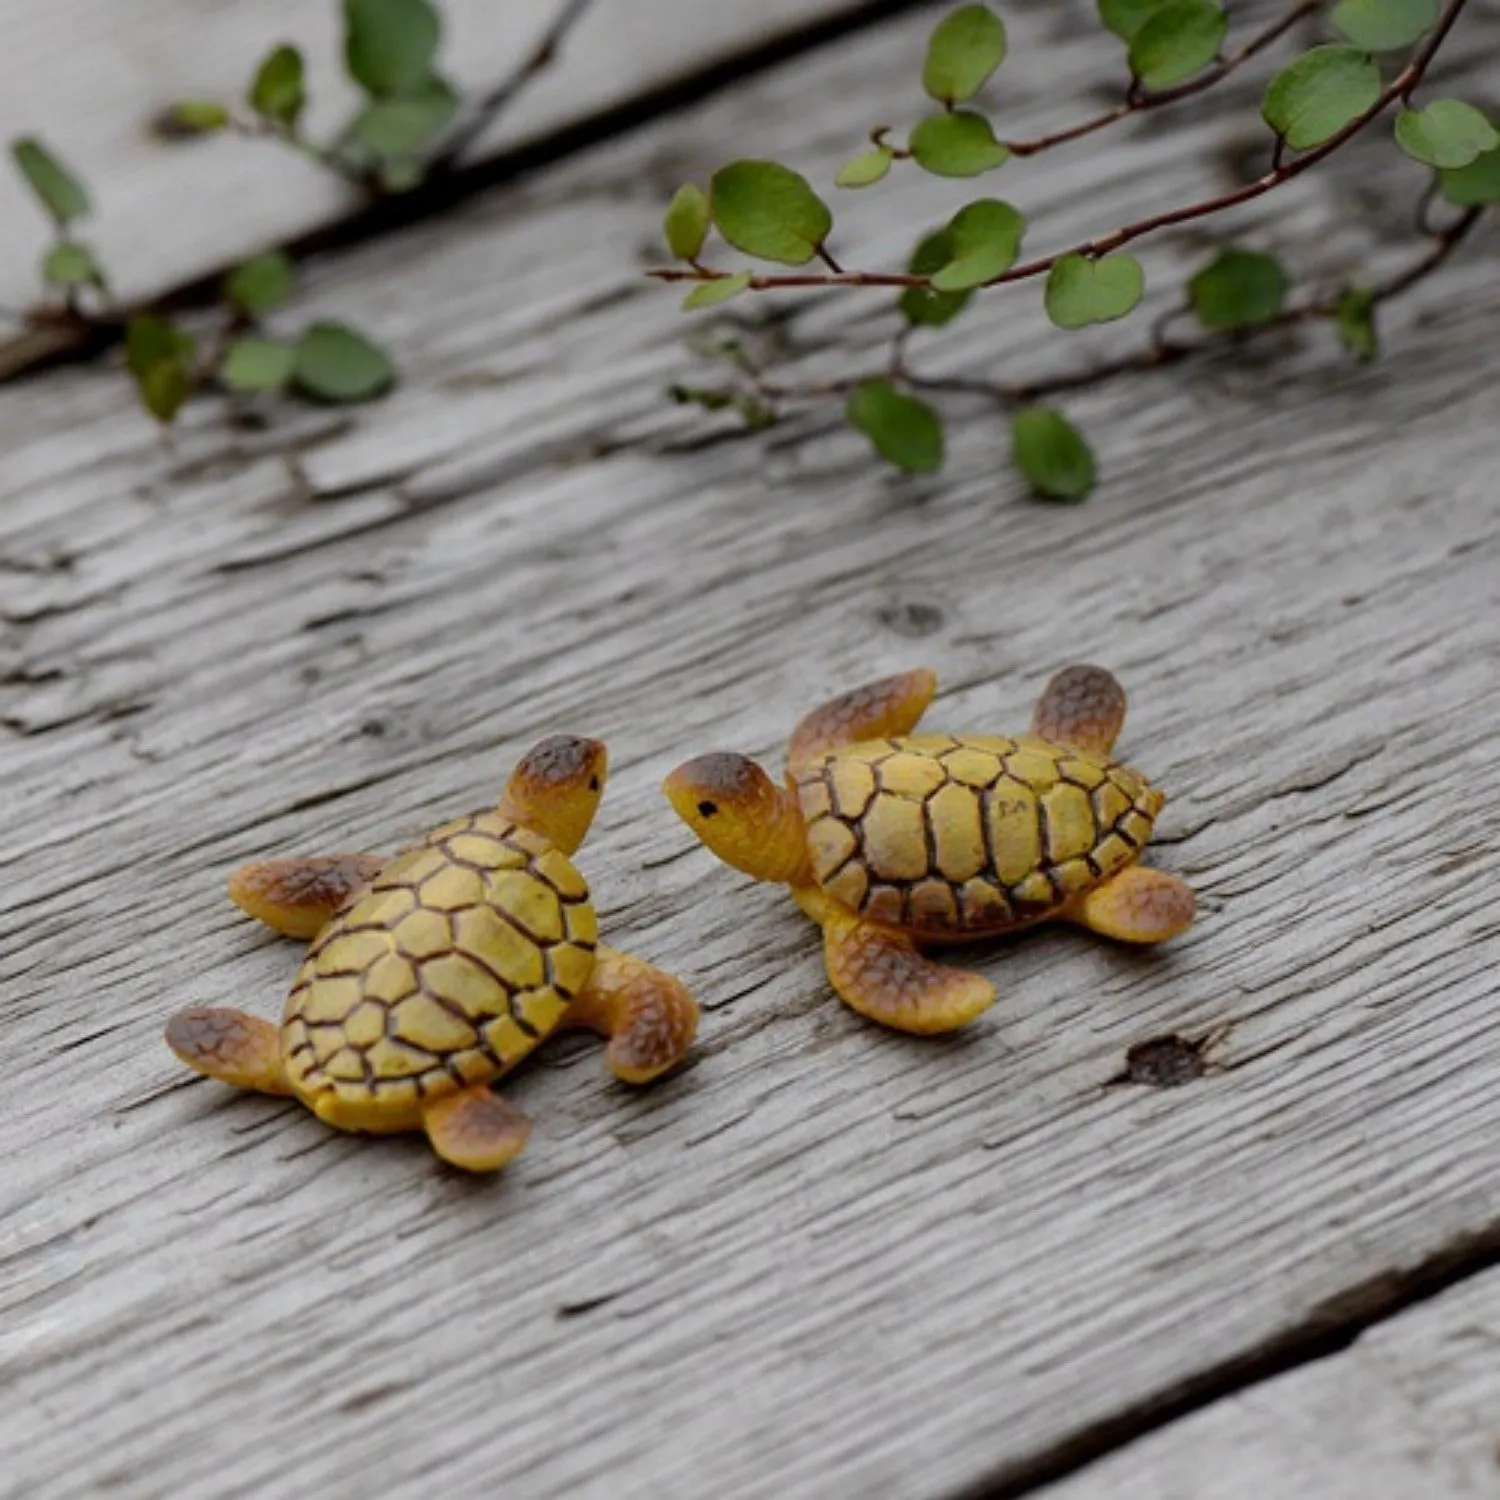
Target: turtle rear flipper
pixel 299 897
pixel 476 1129
pixel 231 1046
pixel 1138 905
pixel 1081 706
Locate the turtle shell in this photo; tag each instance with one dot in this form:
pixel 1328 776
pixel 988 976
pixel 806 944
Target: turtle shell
pixel 462 955
pixel 953 835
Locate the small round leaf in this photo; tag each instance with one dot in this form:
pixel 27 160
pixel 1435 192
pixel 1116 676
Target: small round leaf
pixel 712 293
pixel 71 265
pixel 259 284
pixel 1384 25
pixel 164 388
pixel 686 223
pixel 1180 39
pixel 56 188
pixel 862 170
pixel 956 145
pixel 920 305
pixel 1082 291
pixel 1475 185
pixel 198 116
pixel 256 364
pixel 388 130
pixel 1126 17
pixel 769 211
pixel 334 363
pixel 1448 133
pixel 151 341
pixel 276 91
pixel 1354 321
pixel 906 432
pixel 1051 454
pixel 1315 97
pixel 985 238
pixel 965 47
pixel 1238 289
pixel 389 44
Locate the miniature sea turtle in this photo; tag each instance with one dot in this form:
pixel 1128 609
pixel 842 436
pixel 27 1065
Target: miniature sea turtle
pixel 433 972
pixel 891 840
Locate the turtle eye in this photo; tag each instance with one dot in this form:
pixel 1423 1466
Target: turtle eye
pixel 707 809
pixel 593 783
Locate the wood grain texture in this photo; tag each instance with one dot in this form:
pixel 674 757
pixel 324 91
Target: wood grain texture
pixel 89 76
pixel 1411 1410
pixel 825 1260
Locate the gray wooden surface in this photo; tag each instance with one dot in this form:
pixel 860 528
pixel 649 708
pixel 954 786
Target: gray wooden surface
pixel 823 1260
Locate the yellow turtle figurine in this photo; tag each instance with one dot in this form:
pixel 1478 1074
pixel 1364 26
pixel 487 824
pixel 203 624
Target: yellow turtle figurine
pixel 434 972
pixel 892 840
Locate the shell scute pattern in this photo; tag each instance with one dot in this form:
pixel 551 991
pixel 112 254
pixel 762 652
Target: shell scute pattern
pixel 463 954
pixel 951 835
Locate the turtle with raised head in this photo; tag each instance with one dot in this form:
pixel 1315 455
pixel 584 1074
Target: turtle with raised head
pixel 435 971
pixel 892 840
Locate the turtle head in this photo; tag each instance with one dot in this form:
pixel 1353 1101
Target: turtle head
pixel 741 814
pixel 556 787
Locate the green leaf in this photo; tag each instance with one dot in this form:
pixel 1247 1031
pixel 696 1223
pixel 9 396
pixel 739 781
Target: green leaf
pixel 198 116
pixel 710 398
pixel 400 129
pixel 1051 454
pixel 906 432
pixel 769 211
pixel 389 45
pixel 1384 25
pixel 1180 39
pixel 334 363
pixel 1082 291
pixel 276 91
pixel 712 293
pixel 164 388
pixel 256 364
pixel 1475 185
pixel 1354 321
pixel 686 222
pixel 956 145
pixel 1315 97
pixel 56 188
pixel 151 341
pixel 965 47
pixel 868 167
pixel 1126 17
pixel 920 305
pixel 71 265
pixel 985 238
pixel 1238 289
pixel 1448 133
pixel 259 284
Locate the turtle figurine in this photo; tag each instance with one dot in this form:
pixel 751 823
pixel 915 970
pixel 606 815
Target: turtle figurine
pixel 435 971
pixel 892 840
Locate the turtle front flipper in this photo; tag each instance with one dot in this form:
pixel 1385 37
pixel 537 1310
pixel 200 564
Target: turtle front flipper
pixel 476 1129
pixel 878 972
pixel 298 897
pixel 231 1046
pixel 1082 706
pixel 891 706
pixel 649 1016
pixel 1138 905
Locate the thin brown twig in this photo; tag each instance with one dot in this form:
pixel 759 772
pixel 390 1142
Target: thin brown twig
pixel 1138 101
pixel 1401 87
pixel 489 107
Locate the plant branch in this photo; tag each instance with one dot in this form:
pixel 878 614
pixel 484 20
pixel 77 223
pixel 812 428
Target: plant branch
pixel 1138 101
pixel 489 107
pixel 1400 87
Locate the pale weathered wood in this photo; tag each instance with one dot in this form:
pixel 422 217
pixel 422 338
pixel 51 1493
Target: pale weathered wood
pixel 90 75
pixel 1409 1412
pixel 825 1260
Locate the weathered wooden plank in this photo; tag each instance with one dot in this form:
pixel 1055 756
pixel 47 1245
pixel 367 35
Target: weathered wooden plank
pixel 90 75
pixel 1408 1411
pixel 824 1259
